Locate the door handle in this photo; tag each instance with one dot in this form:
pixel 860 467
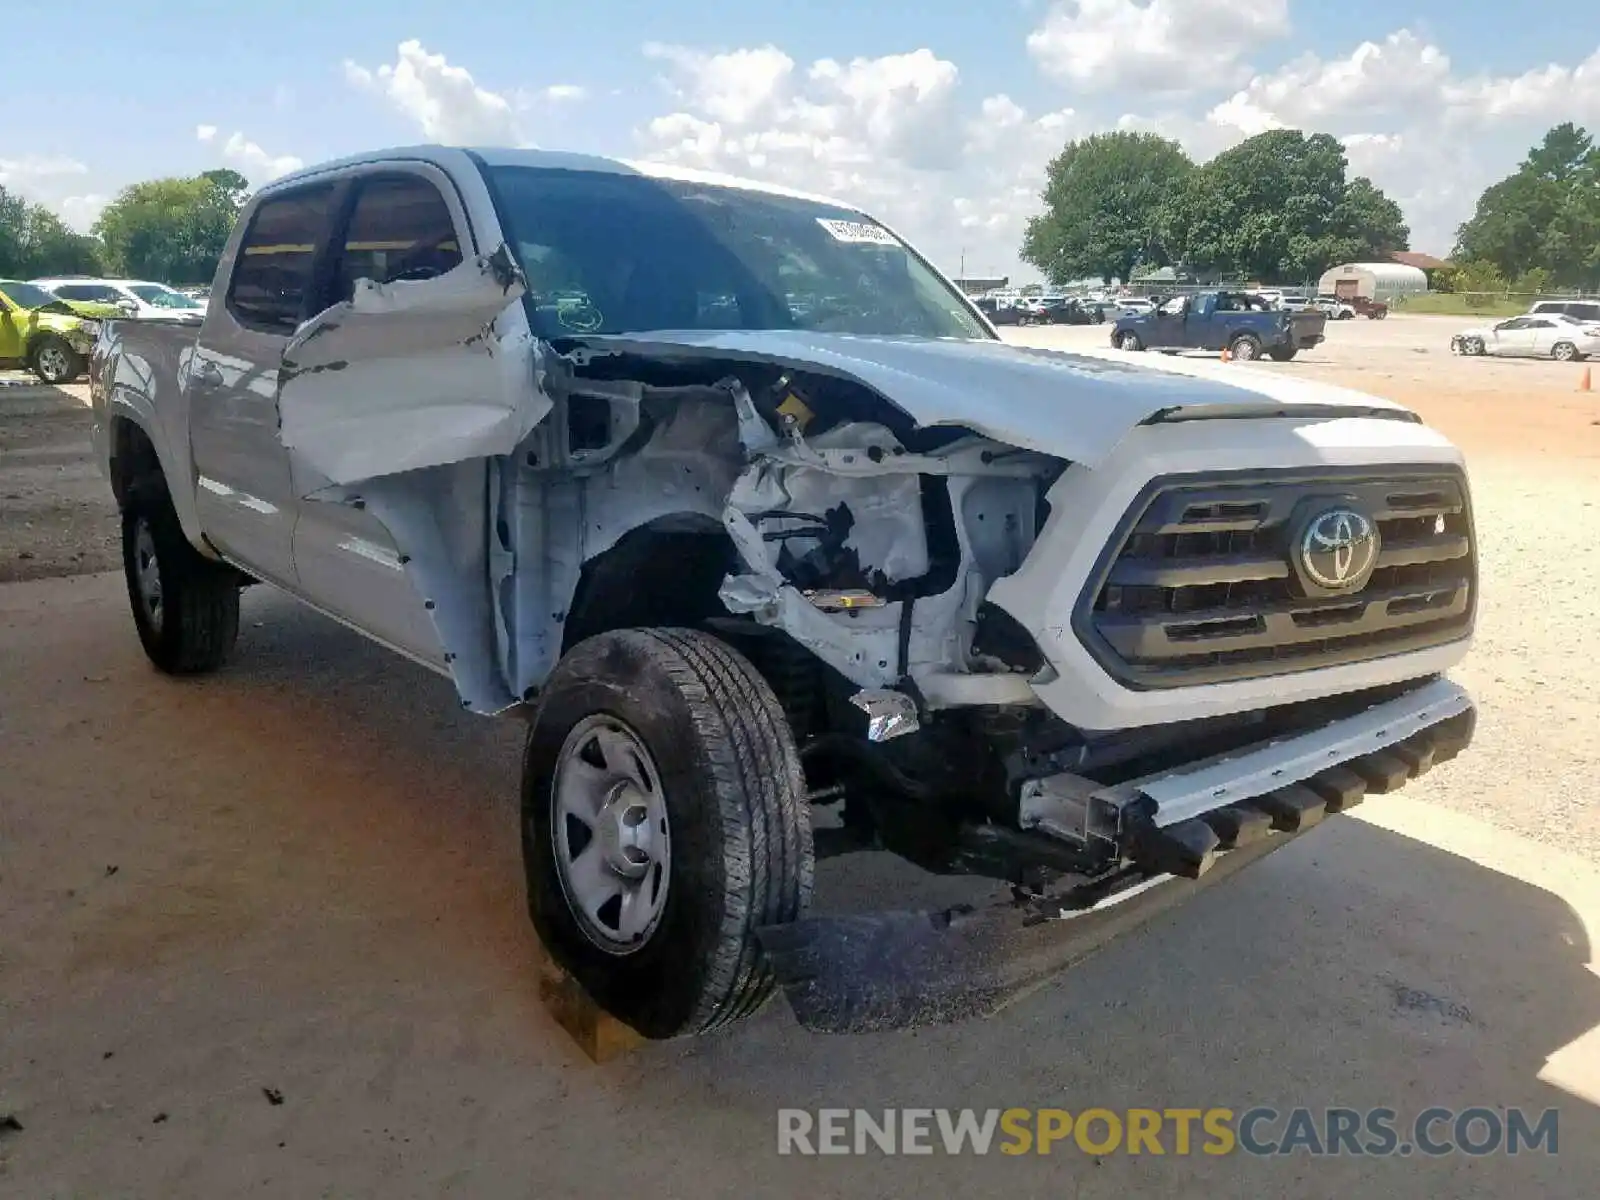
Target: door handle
pixel 206 376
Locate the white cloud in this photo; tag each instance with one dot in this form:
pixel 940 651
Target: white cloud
pixel 45 179
pixel 26 172
pixel 1549 93
pixel 81 212
pixel 444 101
pixel 887 133
pixel 563 93
pixel 254 163
pixel 1160 45
pixel 1375 78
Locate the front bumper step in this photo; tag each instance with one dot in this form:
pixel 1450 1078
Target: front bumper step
pixel 1188 848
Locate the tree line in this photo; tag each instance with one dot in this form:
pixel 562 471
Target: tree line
pixel 172 230
pixel 1282 206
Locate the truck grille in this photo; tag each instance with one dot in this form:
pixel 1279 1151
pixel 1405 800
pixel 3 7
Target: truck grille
pixel 1222 578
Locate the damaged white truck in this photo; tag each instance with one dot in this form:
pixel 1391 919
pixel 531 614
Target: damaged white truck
pixel 748 511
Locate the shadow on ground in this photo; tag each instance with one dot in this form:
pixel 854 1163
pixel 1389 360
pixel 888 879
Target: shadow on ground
pixel 301 876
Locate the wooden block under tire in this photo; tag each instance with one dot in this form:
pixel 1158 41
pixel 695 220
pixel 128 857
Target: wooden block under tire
pixel 599 1035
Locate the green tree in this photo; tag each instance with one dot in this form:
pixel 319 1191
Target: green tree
pixel 1543 216
pixel 1103 200
pixel 1481 282
pixel 1278 206
pixel 34 242
pixel 173 230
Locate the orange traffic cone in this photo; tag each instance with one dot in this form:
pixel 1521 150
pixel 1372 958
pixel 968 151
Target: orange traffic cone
pixel 1226 357
pixel 1583 384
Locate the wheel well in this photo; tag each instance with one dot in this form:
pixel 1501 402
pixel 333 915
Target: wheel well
pixel 666 572
pixel 133 458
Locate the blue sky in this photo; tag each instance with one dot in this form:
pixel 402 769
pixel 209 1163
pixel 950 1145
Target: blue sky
pixel 939 122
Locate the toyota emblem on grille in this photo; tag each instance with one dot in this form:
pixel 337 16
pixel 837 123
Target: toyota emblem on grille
pixel 1339 549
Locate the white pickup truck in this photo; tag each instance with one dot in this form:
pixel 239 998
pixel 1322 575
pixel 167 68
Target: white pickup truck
pixel 749 512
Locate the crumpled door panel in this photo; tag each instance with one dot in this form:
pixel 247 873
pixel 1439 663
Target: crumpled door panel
pixel 407 375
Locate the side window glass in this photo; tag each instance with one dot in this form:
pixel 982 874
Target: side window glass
pixel 273 268
pixel 400 229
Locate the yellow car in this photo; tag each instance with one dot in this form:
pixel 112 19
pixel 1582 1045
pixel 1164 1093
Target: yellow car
pixel 43 333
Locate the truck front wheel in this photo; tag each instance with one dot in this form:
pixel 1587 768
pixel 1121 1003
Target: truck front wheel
pixel 1129 341
pixel 1245 347
pixel 664 821
pixel 185 607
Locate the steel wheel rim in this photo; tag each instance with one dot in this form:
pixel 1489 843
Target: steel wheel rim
pixel 610 834
pixel 147 575
pixel 53 363
pixel 1564 352
pixel 1244 350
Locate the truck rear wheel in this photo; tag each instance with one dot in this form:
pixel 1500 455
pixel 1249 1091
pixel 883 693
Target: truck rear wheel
pixel 1283 353
pixel 664 821
pixel 185 607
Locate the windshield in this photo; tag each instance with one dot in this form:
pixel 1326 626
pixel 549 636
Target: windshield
pixel 157 296
pixel 27 295
pixel 608 253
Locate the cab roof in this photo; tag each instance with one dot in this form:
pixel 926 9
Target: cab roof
pixel 459 157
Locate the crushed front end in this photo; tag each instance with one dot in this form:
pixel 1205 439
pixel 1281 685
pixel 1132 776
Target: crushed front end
pixel 1101 686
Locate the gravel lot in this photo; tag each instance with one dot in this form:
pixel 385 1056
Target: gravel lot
pixel 300 877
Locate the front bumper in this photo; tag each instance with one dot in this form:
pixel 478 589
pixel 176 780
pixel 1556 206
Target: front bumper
pixel 1172 834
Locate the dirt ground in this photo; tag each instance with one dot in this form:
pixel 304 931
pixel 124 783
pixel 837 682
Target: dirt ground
pixel 300 877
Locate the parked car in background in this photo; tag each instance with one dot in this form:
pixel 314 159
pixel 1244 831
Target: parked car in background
pixel 1554 336
pixel 998 314
pixel 1366 306
pixel 1583 310
pixel 140 299
pixel 1136 305
pixel 1334 308
pixel 42 332
pixel 1239 322
pixel 1060 310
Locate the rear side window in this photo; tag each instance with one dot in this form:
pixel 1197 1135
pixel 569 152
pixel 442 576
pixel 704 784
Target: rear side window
pixel 399 229
pixel 273 270
pixel 88 291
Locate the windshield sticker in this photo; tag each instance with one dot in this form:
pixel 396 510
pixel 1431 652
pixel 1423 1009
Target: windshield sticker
pixel 858 231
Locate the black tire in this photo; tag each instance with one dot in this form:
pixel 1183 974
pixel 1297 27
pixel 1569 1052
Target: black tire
pixel 1246 347
pixel 192 627
pixel 1345 316
pixel 54 361
pixel 1283 353
pixel 1129 341
pixel 1565 352
pixel 734 793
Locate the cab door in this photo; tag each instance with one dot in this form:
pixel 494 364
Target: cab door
pixel 396 224
pixel 245 495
